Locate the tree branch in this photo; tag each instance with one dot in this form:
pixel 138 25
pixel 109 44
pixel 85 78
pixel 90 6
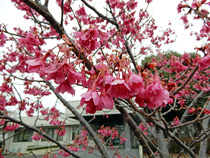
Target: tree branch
pixel 98 142
pixel 62 13
pixel 135 130
pixel 98 13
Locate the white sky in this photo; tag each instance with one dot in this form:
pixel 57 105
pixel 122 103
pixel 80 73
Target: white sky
pixel 163 11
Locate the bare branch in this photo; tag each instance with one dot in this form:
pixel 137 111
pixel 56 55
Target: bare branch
pixel 98 13
pixel 62 13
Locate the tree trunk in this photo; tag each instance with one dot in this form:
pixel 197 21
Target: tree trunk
pixel 162 144
pixel 203 144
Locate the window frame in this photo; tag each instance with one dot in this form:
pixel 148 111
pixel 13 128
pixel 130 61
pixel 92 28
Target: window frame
pixel 22 135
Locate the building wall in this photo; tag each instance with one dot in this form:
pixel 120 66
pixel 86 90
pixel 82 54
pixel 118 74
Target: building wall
pixel 114 118
pixel 21 146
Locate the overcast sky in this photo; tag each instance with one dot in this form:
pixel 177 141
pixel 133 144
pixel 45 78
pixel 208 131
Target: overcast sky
pixel 163 11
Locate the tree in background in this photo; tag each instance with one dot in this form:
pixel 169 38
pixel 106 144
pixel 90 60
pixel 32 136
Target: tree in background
pixel 100 49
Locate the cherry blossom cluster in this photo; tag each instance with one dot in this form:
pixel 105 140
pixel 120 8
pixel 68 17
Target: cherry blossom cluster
pixel 108 132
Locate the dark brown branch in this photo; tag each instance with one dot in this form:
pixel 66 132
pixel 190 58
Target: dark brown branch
pixel 97 12
pixel 181 144
pixel 62 12
pixel 46 3
pixel 135 130
pixel 80 27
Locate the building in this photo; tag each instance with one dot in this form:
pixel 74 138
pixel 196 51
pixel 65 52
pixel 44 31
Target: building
pixel 20 140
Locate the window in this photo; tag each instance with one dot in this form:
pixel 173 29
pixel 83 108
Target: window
pixel 51 133
pixel 22 135
pixel 75 132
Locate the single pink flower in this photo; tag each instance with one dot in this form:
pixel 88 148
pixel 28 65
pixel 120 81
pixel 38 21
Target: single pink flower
pixel 63 153
pixel 176 121
pixel 60 72
pixel 93 101
pixel 136 85
pixel 38 65
pixel 143 128
pixel 3 38
pixel 204 62
pixel 148 1
pixel 156 95
pixel 65 87
pixel 81 12
pixel 44 111
pixel 192 110
pixel 119 89
pixel 11 127
pixel 206 111
pixel 122 140
pixel 37 137
pixel 2 102
pixel 30 112
pixel 108 102
pixel 2 121
pixel 61 132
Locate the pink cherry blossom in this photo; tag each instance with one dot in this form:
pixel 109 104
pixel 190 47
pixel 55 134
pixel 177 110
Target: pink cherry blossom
pixel 175 122
pixel 2 102
pixel 119 89
pixel 122 140
pixel 88 39
pixel 143 128
pixel 30 41
pixel 148 1
pixel 136 84
pixel 204 62
pixel 11 126
pixel 192 110
pixel 37 65
pixel 156 95
pixel 37 137
pixel 65 87
pixel 64 153
pixel 30 112
pixel 81 12
pixel 5 87
pixel 3 38
pixel 58 72
pixel 44 111
pixel 61 131
pixel 2 121
pixel 93 101
pixel 107 101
